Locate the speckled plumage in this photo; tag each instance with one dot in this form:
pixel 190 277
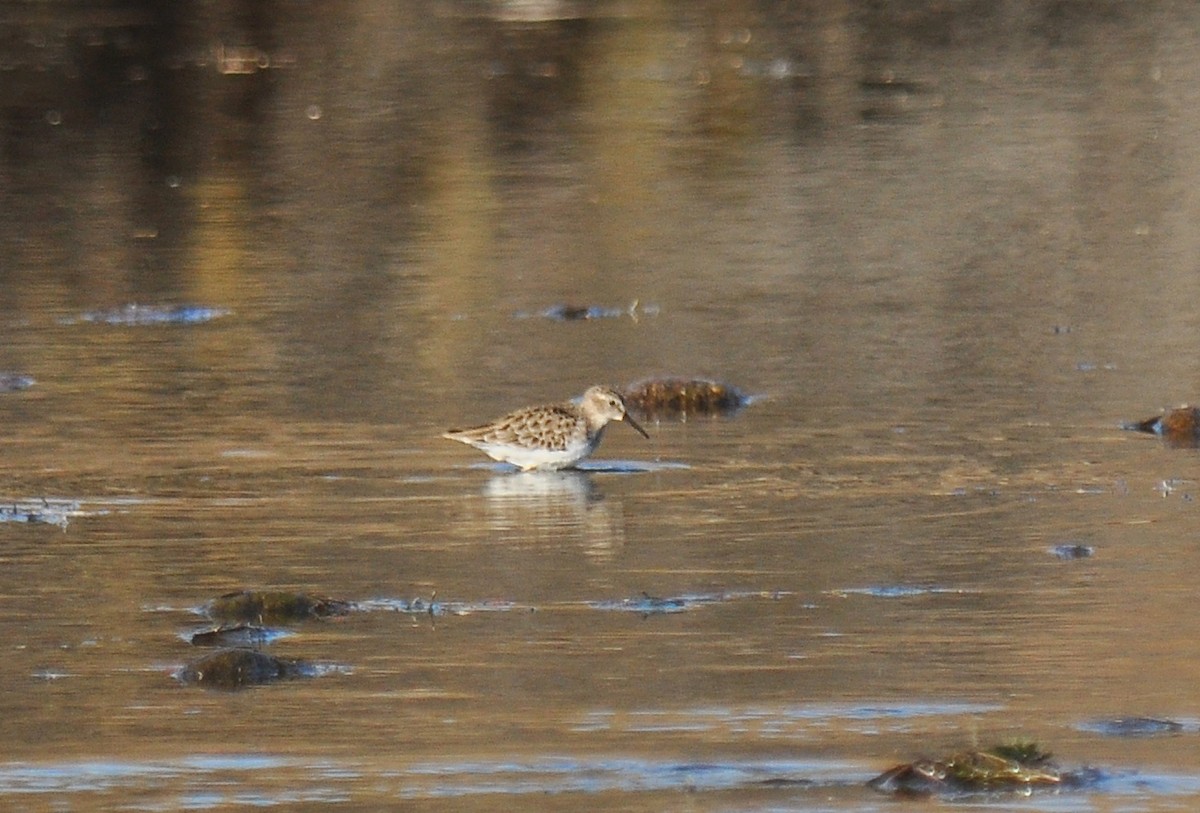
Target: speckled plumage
pixel 1178 427
pixel 551 436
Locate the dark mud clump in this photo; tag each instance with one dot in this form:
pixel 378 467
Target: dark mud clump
pixel 1177 427
pixel 1019 767
pixel 239 668
pixel 682 398
pixel 269 607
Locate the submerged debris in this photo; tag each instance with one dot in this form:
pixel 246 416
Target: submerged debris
pixel 266 607
pixel 1177 427
pixel 134 314
pixel 48 512
pixel 1019 766
pixel 682 398
pixel 239 668
pixel 14 382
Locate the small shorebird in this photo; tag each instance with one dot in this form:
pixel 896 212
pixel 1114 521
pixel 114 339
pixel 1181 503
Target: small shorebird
pixel 1178 427
pixel 552 436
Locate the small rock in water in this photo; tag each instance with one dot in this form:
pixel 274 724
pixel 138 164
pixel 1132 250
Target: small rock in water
pixel 682 398
pixel 268 607
pixel 240 668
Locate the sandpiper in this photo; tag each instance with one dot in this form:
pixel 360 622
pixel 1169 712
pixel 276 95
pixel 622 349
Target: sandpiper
pixel 1177 427
pixel 551 436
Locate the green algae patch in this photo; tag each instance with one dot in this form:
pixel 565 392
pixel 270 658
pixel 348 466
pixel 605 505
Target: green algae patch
pixel 1019 767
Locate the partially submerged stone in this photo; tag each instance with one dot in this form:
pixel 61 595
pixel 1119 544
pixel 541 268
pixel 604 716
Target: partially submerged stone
pixel 239 668
pixel 1020 767
pixel 682 398
pixel 1177 427
pixel 273 607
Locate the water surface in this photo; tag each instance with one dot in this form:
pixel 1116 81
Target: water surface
pixel 948 248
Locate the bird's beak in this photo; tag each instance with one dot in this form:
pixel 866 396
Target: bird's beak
pixel 629 420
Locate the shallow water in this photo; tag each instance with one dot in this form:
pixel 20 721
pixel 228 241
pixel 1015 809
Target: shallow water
pixel 948 249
